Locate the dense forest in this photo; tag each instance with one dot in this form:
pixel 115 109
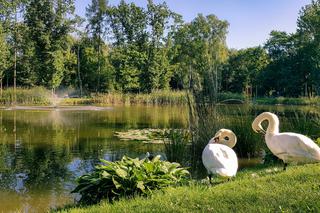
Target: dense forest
pixel 128 48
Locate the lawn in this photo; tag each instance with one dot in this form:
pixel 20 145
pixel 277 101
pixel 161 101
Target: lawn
pixel 262 189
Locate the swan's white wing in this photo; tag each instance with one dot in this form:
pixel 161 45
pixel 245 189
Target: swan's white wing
pixel 294 147
pixel 220 159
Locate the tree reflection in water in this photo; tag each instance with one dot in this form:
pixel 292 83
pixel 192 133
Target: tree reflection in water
pixel 42 152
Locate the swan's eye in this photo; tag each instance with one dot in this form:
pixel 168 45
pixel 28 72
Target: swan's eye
pixel 226 138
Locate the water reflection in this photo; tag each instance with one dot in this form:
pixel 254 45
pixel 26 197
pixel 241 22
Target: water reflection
pixel 42 152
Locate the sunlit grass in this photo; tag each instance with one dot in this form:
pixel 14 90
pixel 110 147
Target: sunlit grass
pixel 42 96
pixel 34 96
pixel 264 189
pixel 159 97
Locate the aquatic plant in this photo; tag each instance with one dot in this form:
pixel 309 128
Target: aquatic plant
pixel 177 144
pixel 129 177
pixel 143 135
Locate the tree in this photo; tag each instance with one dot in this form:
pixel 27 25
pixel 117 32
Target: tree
pixel 201 51
pixel 157 71
pixel 283 75
pixel 88 61
pixel 243 69
pixel 128 24
pixel 96 16
pixel 309 46
pixel 4 56
pixel 49 23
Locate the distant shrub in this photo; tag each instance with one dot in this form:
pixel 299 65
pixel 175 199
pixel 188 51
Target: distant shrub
pixel 229 95
pixel 128 177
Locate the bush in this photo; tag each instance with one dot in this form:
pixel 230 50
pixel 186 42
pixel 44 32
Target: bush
pixel 128 177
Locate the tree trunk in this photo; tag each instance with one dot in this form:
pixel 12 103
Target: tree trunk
pixel 79 76
pixel 1 89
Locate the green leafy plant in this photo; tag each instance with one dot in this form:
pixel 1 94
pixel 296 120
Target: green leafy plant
pixel 128 177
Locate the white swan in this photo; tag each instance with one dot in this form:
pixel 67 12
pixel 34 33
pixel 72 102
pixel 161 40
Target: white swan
pixel 218 157
pixel 288 146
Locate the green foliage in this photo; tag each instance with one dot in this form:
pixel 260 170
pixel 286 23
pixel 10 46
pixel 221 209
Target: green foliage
pixel 49 24
pixel 4 53
pixel 223 96
pixel 151 48
pixel 201 50
pixel 129 177
pixel 243 69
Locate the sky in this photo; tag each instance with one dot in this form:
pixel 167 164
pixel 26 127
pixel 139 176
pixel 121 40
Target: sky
pixel 250 21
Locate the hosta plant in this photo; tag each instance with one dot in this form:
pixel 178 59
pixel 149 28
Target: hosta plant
pixel 128 177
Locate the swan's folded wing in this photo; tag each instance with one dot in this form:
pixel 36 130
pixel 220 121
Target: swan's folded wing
pixel 297 146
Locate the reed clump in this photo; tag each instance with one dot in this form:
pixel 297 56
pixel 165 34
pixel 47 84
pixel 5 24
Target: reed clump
pixel 25 96
pixel 159 97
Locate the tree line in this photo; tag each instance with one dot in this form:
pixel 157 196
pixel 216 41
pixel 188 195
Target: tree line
pixel 129 48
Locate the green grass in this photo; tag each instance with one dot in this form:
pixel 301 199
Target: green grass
pixel 257 190
pixel 34 96
pixel 288 101
pixel 159 97
pixel 42 96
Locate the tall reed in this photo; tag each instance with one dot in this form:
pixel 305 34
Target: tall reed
pixel 158 97
pixel 25 96
pixel 177 145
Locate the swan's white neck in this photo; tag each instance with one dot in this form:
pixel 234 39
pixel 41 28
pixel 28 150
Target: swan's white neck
pixel 232 141
pixel 273 123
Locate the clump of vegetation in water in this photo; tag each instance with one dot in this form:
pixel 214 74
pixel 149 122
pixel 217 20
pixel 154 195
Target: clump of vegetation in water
pixel 144 135
pixel 129 177
pixel 177 144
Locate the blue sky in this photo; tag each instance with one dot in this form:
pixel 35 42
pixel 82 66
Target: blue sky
pixel 250 21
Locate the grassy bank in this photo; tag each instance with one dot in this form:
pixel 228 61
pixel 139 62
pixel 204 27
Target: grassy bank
pixel 257 190
pixel 41 96
pixel 34 96
pixel 153 98
pixel 288 101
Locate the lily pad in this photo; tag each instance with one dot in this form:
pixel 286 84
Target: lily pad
pixel 143 135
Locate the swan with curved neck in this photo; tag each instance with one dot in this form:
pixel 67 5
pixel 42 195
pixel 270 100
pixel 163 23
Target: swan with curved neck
pixel 288 146
pixel 218 157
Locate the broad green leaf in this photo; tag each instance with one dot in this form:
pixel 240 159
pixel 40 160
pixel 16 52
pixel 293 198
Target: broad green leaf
pixel 116 183
pixel 140 185
pixel 122 173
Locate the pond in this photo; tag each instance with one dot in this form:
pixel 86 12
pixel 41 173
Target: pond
pixel 42 152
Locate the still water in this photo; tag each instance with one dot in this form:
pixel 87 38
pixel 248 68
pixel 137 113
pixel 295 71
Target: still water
pixel 42 152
